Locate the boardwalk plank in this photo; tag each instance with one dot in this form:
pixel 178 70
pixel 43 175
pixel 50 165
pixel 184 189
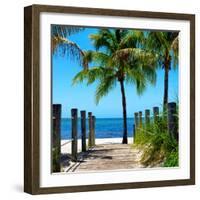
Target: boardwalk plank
pixel 108 157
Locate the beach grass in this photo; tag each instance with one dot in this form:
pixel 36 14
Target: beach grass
pixel 159 148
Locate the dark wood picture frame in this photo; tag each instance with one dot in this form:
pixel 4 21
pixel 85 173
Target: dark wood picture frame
pixel 32 93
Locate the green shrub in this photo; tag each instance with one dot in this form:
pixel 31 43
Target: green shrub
pixel 171 159
pixel 159 149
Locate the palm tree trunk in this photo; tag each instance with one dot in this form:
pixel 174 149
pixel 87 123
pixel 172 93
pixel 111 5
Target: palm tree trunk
pixel 125 139
pixel 166 80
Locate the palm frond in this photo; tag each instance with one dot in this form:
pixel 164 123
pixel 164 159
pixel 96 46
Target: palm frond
pixel 105 38
pixel 99 58
pixel 64 47
pixel 140 86
pixel 64 31
pixel 156 41
pixel 95 73
pixel 91 75
pixel 131 75
pixel 175 51
pixel 133 39
pixel 104 87
pixel 60 43
pixel 162 42
pixel 129 55
pixel 136 77
pixel 80 77
pixel 140 76
pixel 175 46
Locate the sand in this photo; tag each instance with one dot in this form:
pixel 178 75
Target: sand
pixel 66 144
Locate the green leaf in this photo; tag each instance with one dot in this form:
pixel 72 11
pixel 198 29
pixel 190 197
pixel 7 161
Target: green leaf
pixel 104 87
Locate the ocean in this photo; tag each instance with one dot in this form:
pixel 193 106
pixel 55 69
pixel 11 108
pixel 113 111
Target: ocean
pixel 105 128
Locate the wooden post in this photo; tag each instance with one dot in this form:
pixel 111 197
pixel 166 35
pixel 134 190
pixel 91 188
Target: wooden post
pixel 74 116
pixel 93 130
pixel 172 120
pixel 140 118
pixel 147 117
pixel 136 122
pixel 90 129
pixel 83 130
pixel 133 132
pixel 155 113
pixel 56 138
pixel 136 119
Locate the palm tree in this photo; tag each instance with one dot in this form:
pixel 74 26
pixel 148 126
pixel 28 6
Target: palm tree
pixel 62 45
pixel 117 59
pixel 165 44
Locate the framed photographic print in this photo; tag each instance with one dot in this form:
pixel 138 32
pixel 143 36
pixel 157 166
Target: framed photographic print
pixel 109 99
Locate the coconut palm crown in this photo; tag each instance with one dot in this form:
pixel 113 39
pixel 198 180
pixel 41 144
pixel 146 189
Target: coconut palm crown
pixel 165 45
pixel 118 59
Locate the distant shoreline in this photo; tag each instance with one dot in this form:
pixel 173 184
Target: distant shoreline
pixel 101 117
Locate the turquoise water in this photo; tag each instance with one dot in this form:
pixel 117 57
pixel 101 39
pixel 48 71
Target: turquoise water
pixel 105 127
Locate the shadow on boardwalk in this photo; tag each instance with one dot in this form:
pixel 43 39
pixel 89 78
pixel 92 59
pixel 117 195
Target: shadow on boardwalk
pixel 112 156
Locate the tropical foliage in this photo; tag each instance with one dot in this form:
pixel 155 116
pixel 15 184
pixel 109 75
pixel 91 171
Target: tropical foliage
pixel 158 147
pixel 62 45
pixel 165 45
pixel 119 59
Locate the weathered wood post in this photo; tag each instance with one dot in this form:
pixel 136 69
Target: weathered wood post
pixel 74 116
pixel 56 138
pixel 90 129
pixel 155 113
pixel 172 120
pixel 135 123
pixel 93 130
pixel 140 118
pixel 147 117
pixel 83 130
pixel 136 119
pixel 133 132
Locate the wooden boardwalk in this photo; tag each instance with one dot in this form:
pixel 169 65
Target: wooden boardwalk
pixel 111 156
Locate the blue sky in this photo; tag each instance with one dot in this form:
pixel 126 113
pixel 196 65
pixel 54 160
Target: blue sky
pixel 82 96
